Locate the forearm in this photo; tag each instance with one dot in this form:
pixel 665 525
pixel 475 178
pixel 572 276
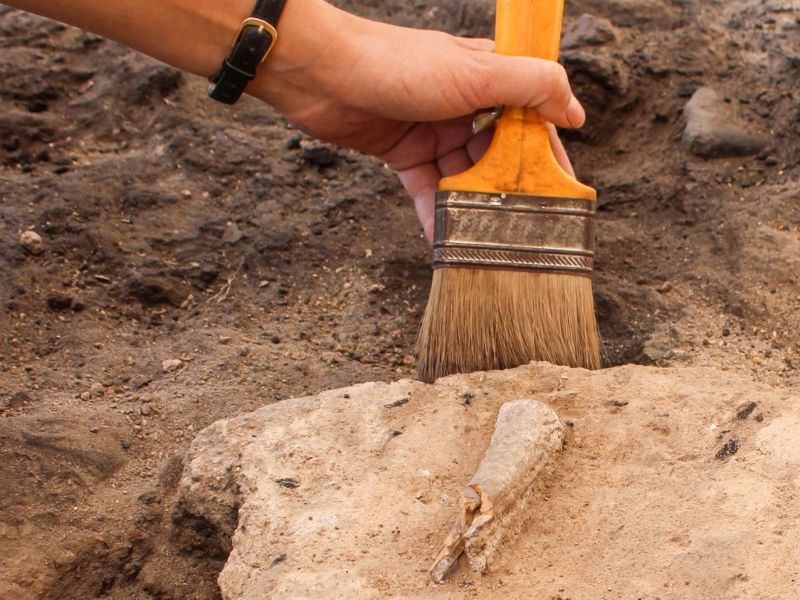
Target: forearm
pixel 195 35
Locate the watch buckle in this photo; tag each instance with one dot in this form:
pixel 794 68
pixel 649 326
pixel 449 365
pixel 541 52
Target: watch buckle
pixel 262 26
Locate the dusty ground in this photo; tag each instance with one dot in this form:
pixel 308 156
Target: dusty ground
pixel 267 268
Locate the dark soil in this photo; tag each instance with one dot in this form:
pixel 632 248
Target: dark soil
pixel 272 266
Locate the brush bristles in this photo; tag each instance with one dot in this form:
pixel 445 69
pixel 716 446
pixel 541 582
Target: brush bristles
pixel 482 319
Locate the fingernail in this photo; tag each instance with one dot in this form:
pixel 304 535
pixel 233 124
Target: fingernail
pixel 575 113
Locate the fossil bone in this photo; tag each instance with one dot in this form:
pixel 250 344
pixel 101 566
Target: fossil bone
pixel 492 508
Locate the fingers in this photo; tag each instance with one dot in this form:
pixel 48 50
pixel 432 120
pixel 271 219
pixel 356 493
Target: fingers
pixel 478 145
pixel 428 141
pixel 421 183
pixel 454 162
pixel 558 150
pixel 523 81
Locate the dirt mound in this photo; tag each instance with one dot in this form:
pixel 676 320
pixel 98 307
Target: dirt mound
pixel 673 483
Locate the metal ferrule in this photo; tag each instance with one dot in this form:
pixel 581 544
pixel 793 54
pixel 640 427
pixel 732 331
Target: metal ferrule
pixel 511 231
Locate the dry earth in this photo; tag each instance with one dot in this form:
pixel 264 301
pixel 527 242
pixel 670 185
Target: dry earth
pixel 260 262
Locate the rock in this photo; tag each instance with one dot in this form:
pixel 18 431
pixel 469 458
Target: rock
pixel 602 79
pixel 32 242
pixel 58 301
pixel 637 477
pixel 156 289
pixel 232 234
pixel 641 14
pixel 171 364
pixel 605 70
pixel 589 30
pixel 319 156
pixel 713 131
pixel 17 400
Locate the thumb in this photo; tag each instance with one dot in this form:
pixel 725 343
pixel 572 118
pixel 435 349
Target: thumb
pixel 525 81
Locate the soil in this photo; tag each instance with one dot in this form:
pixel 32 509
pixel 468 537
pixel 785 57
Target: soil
pixel 266 266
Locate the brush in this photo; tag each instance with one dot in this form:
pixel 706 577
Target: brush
pixel 513 239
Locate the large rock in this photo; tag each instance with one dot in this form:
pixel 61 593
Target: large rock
pixel 673 483
pixel 713 131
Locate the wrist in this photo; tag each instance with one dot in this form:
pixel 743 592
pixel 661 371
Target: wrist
pixel 308 54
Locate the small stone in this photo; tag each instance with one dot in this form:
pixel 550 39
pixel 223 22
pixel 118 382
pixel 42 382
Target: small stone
pixel 685 89
pixel 278 559
pixel 713 131
pixel 58 301
pixel 86 396
pixel 728 449
pixel 32 242
pixel 97 389
pixel 146 410
pixel 288 482
pixel 171 364
pixel 232 234
pixel 589 30
pixel 18 399
pixel 726 331
pixel 746 410
pixel 319 156
pixel 155 289
pixel 664 287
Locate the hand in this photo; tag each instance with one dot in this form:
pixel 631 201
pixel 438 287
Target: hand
pixel 405 95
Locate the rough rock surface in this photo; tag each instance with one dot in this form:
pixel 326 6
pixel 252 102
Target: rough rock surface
pixel 713 131
pixel 588 30
pixel 674 483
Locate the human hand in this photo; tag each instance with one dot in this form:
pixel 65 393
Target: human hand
pixel 404 95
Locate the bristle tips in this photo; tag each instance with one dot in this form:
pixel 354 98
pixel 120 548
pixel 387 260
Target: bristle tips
pixel 483 319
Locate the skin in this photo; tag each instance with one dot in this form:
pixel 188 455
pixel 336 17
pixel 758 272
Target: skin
pixel 404 95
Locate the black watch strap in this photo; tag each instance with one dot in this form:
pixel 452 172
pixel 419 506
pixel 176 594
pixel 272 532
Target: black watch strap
pixel 252 45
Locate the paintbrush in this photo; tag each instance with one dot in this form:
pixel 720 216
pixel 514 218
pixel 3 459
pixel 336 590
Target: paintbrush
pixel 513 239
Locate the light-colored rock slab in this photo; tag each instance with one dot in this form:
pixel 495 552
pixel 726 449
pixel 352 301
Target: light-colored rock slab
pixel 348 494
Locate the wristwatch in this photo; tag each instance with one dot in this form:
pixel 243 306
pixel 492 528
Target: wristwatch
pixel 255 39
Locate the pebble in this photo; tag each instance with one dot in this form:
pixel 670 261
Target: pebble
pixel 232 234
pixel 713 131
pixel 589 30
pixel 146 410
pixel 319 156
pixel 171 364
pixel 32 242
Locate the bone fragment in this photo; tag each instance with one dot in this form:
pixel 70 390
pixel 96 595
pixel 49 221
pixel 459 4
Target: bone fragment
pixel 492 508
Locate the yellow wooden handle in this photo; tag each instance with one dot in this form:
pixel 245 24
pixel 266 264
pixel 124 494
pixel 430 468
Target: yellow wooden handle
pixel 519 159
